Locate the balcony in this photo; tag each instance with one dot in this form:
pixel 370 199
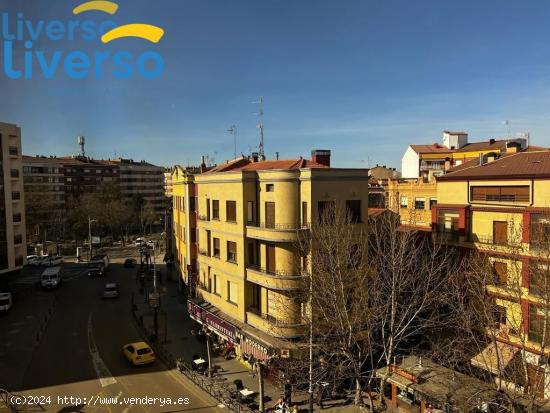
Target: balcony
pixel 274 280
pixel 273 326
pixel 274 232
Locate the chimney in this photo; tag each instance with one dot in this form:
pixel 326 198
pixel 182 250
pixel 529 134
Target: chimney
pixel 202 167
pixel 480 159
pixel 491 141
pixel 321 156
pixel 255 156
pixel 513 147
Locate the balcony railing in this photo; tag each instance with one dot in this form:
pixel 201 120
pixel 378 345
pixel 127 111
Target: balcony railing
pixel 201 217
pixel 282 273
pixel 279 226
pixel 270 319
pixel 204 252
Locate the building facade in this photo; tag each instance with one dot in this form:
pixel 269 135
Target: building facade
pixel 500 205
pixel 415 193
pixel 12 202
pixel 249 213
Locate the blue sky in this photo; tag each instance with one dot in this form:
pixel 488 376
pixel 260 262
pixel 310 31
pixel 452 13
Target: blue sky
pixel 363 78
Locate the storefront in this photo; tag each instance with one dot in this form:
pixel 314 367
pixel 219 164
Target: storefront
pixel 223 328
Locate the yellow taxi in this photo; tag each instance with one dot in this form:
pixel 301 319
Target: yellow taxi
pixel 138 353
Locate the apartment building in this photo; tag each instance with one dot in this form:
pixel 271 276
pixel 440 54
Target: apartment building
pixel 12 203
pixel 184 220
pixel 168 185
pixel 44 187
pixel 500 204
pixel 143 179
pixel 415 193
pixel 249 214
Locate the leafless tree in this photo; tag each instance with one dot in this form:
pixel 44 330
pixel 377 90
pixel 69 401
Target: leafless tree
pixel 410 271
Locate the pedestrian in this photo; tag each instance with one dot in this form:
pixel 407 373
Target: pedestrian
pixel 287 393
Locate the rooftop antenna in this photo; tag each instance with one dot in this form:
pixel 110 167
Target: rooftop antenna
pixel 233 131
pixel 508 132
pixel 81 141
pixel 261 151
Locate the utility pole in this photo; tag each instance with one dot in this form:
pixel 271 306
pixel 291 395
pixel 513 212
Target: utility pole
pixel 260 386
pixel 156 294
pixel 208 352
pixel 261 149
pixel 233 131
pixel 90 237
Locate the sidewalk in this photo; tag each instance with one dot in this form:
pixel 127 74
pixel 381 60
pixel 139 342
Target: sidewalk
pixel 174 333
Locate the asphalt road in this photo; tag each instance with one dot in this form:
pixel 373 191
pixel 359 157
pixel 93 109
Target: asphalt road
pixel 80 355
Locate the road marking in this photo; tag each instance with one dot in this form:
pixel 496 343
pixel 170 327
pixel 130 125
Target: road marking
pixel 104 375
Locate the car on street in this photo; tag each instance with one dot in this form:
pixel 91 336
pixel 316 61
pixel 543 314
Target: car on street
pixel 138 353
pixel 31 259
pixel 129 262
pixel 5 302
pixel 101 258
pixel 37 260
pixel 139 241
pixel 51 278
pixel 52 261
pixel 111 290
pixel 96 269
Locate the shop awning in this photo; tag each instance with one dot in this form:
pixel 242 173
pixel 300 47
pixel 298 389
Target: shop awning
pixel 495 358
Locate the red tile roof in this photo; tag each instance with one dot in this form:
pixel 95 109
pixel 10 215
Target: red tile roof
pixel 520 165
pixel 434 148
pixel 474 146
pixel 244 164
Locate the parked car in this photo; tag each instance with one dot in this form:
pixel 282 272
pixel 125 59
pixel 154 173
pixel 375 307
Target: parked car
pixel 38 261
pixel 96 269
pixel 51 278
pixel 31 259
pixel 139 241
pixel 111 290
pixel 5 302
pixel 51 260
pixel 129 263
pixel 138 353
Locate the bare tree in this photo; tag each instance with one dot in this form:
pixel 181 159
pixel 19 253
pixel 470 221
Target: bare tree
pixel 410 271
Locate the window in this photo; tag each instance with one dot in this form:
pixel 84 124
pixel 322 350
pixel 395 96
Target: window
pixel 403 202
pixel 216 247
pixel 18 239
pixel 17 217
pixel 216 285
pixel 499 315
pixel 215 209
pixel 269 187
pixel 270 214
pixel 232 251
pixel 500 232
pixel 433 201
pixel 419 203
pixel 270 258
pixel 232 292
pixel 353 210
pixel 14 173
pixel 538 319
pixel 250 212
pixel 538 279
pixel 192 203
pixel 231 211
pixel 500 270
pixel 500 193
pixel 540 231
pixel 16 195
pixel 13 150
pixel 207 209
pixel 304 214
pixel 326 210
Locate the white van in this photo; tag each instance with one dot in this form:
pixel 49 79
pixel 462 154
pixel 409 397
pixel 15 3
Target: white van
pixel 51 277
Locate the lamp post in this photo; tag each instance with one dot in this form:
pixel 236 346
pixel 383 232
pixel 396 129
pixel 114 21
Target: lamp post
pixel 90 236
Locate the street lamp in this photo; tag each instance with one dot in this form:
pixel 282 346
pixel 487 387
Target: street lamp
pixel 90 235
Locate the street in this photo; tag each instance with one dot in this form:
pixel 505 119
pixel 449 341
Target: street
pixel 79 353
